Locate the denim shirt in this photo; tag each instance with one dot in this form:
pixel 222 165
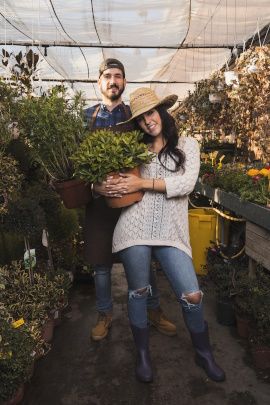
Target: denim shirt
pixel 105 118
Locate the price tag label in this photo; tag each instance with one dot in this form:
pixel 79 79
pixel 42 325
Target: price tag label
pixel 18 323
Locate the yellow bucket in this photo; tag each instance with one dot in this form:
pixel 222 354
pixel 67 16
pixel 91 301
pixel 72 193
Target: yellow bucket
pixel 202 230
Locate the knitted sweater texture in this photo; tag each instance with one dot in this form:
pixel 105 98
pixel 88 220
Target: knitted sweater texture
pixel 161 219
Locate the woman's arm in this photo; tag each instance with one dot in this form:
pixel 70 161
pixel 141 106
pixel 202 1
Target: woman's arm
pixel 184 183
pixel 179 185
pixel 130 184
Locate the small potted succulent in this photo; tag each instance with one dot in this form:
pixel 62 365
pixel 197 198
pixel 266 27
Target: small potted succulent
pixel 105 152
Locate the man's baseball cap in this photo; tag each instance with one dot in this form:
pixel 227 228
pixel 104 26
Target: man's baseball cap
pixel 111 64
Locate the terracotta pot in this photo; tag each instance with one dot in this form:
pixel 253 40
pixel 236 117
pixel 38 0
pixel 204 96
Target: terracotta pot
pixel 17 398
pixel 242 326
pixel 57 317
pixel 74 193
pixel 252 329
pixel 225 313
pixel 32 370
pixel 47 333
pixel 260 356
pixel 128 199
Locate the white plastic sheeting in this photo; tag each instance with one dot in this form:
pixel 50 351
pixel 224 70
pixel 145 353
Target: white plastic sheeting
pixel 81 33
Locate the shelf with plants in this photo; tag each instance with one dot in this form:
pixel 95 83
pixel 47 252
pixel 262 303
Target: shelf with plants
pixel 254 212
pixel 240 188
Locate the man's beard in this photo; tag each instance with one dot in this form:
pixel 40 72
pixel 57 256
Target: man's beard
pixel 112 96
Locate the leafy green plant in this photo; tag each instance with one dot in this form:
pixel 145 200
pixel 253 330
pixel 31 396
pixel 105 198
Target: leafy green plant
pixel 244 288
pixel 223 274
pixel 53 127
pixel 235 179
pixel 261 301
pixel 34 303
pixel 105 151
pixel 10 180
pixel 7 113
pixel 16 347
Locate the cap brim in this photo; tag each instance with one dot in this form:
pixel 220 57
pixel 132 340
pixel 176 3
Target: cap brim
pixel 167 102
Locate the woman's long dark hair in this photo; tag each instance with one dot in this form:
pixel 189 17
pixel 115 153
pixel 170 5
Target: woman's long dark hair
pixel 170 136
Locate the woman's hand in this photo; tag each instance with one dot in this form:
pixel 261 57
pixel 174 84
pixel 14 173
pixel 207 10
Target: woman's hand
pixel 127 184
pixel 108 188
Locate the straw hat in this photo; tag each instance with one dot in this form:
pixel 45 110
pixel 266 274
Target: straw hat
pixel 144 99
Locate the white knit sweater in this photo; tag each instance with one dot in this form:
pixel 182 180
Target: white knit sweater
pixel 161 219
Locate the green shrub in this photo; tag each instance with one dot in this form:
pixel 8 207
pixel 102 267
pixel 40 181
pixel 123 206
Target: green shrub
pixel 105 151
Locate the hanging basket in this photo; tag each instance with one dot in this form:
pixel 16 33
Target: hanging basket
pixel 128 199
pixel 231 78
pixel 74 193
pixel 214 98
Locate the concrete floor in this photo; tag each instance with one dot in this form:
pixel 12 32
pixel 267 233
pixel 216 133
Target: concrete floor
pixel 79 371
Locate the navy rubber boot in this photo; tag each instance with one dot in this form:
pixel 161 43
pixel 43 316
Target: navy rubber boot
pixel 204 357
pixel 144 371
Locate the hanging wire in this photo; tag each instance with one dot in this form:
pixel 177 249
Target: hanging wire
pixel 258 29
pixel 266 35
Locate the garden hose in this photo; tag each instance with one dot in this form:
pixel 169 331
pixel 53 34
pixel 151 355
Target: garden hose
pixel 227 217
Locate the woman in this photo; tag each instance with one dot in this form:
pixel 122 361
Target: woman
pixel 158 225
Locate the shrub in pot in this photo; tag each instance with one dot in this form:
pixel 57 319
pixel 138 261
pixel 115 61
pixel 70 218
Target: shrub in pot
pixel 34 303
pixel 16 347
pixel 260 304
pixel 105 151
pixel 53 126
pixel 222 276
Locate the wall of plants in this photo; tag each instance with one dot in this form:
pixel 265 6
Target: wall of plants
pixel 233 104
pixel 229 114
pixel 40 239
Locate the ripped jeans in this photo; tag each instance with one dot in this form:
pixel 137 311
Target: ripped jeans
pixel 178 268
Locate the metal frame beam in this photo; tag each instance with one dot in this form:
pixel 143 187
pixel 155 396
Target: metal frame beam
pixel 88 45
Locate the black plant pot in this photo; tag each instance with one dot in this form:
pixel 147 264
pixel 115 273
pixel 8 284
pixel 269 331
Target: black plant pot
pixel 225 313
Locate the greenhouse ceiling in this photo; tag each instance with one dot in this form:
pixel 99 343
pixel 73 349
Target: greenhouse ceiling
pixel 166 45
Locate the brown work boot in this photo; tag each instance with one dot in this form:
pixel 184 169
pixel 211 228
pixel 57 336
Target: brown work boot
pixel 104 322
pixel 156 318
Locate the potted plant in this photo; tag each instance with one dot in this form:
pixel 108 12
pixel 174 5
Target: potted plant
pixel 223 275
pixel 222 278
pixel 259 328
pixel 105 152
pixel 36 303
pixel 53 127
pixel 16 347
pixel 243 302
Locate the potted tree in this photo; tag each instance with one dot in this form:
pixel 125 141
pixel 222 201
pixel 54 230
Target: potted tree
pixel 105 152
pixel 53 127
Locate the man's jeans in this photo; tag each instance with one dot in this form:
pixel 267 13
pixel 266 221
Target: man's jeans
pixel 104 302
pixel 180 272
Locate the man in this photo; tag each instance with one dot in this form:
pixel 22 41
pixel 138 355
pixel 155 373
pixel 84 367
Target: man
pixel 100 220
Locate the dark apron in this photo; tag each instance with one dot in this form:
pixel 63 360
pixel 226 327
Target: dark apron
pixel 100 220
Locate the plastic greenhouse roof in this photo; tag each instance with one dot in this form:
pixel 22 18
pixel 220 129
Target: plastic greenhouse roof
pixel 165 45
